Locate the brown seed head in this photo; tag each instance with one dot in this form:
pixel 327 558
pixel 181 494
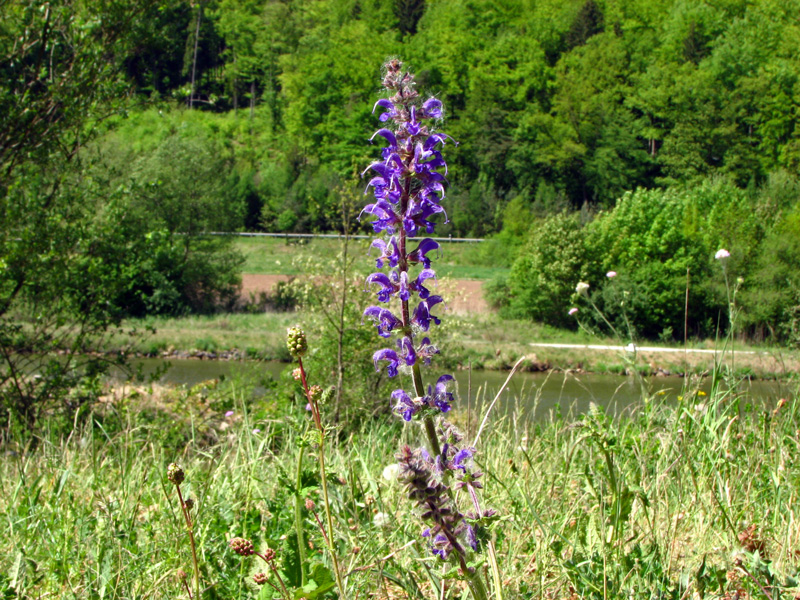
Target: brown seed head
pixel 175 474
pixel 310 504
pixel 260 578
pixel 189 503
pixel 241 546
pixel 181 575
pixel 269 554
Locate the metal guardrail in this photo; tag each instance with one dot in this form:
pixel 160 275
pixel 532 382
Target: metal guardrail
pixel 328 235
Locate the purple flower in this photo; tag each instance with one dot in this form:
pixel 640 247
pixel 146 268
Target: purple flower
pixel 422 315
pixel 417 285
pixel 441 397
pixel 229 413
pixel 389 356
pixel 383 318
pixel 404 405
pixel 432 108
pixel 421 251
pixel 390 113
pixel 389 252
pixel 387 287
pixel 426 350
pixel 407 349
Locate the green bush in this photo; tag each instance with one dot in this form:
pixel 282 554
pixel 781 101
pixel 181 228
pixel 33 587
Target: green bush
pixel 544 275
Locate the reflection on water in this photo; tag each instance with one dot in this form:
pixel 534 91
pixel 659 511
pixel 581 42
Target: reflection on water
pixel 529 394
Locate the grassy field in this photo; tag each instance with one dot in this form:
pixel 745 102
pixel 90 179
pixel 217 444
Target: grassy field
pixel 276 256
pixel 698 500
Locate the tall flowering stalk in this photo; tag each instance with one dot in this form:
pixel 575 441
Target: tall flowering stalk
pixel 408 185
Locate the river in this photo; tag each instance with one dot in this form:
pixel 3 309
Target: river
pixel 532 395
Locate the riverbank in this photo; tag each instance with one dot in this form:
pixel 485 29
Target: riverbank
pixel 477 341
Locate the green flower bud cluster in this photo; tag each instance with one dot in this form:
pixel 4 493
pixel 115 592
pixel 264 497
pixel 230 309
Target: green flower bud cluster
pixel 296 342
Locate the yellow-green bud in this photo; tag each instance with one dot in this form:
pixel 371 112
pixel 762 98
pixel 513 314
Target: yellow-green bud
pixel 296 342
pixel 175 474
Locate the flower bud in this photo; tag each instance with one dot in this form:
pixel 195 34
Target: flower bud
pixel 297 374
pixel 241 546
pixel 296 342
pixel 188 503
pixel 181 575
pixel 314 394
pixel 269 554
pixel 260 578
pixel 582 288
pixel 310 504
pixel 175 474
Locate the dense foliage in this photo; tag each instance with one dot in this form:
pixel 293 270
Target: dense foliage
pixel 554 103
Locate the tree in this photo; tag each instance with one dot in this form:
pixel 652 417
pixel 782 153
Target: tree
pixel 60 74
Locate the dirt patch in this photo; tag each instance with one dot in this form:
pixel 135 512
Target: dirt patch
pixel 462 296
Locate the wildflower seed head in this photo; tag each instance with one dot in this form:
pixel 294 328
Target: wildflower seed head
pixel 297 374
pixel 310 504
pixel 241 546
pixel 269 554
pixel 582 288
pixel 175 474
pixel 296 342
pixel 188 503
pixel 260 578
pixel 181 575
pixel 314 394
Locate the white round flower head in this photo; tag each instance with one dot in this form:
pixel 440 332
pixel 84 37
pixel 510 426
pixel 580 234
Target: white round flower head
pixel 611 274
pixel 390 472
pixel 722 253
pixel 572 311
pixel 381 519
pixel 582 288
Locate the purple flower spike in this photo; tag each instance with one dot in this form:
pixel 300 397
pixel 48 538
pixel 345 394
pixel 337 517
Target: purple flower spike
pixel 383 318
pixel 391 357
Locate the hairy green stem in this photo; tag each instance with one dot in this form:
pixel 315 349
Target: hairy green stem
pixel 298 517
pixel 187 517
pixel 323 478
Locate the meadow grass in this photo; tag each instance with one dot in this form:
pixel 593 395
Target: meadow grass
pixel 277 256
pixel 694 500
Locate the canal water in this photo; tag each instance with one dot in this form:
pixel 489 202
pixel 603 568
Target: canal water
pixel 532 395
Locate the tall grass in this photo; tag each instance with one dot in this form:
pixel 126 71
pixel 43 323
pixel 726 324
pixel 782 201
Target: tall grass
pixel 698 499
